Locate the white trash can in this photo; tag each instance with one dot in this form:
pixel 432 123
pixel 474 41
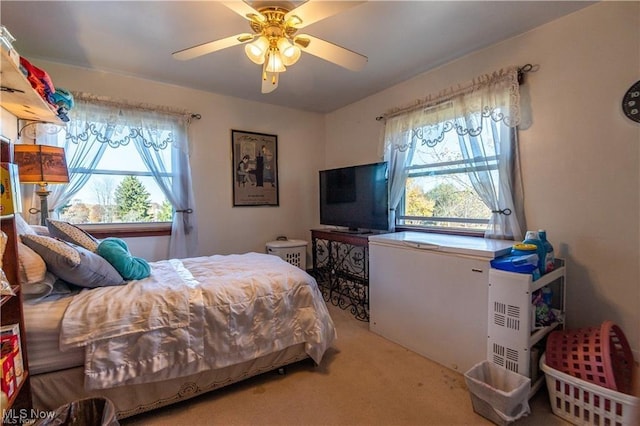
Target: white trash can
pixel 291 251
pixel 498 394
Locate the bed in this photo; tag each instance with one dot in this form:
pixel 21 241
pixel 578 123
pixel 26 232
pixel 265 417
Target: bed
pixel 192 326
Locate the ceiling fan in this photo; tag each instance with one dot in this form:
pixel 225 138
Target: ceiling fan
pixel 275 44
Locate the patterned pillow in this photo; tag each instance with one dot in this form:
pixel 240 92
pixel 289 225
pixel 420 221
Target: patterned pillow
pixel 73 263
pixel 47 247
pixel 71 233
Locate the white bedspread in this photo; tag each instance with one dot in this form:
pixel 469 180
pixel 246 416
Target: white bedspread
pixel 196 314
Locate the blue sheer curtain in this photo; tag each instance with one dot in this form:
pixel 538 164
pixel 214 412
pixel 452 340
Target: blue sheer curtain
pixel 84 146
pixel 175 186
pixel 84 155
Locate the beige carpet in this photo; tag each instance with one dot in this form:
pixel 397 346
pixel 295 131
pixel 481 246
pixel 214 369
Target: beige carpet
pixel 363 380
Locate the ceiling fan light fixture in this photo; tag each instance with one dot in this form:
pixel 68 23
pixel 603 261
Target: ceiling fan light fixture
pixel 274 61
pixel 256 51
pixel 290 53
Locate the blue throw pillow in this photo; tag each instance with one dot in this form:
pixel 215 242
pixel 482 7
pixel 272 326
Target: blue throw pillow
pixel 116 252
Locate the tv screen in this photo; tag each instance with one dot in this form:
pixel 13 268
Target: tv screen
pixel 355 197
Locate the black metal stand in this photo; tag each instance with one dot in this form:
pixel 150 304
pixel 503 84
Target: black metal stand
pixel 341 268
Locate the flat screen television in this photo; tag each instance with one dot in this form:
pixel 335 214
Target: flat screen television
pixel 355 197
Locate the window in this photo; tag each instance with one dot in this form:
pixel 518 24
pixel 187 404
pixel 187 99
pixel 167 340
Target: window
pixel 453 159
pixel 119 189
pixel 439 192
pixel 129 171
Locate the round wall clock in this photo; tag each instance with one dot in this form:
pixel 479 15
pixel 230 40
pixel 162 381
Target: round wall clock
pixel 631 102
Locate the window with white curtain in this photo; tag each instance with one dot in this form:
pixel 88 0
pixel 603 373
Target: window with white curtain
pixel 128 164
pixel 439 192
pixel 452 159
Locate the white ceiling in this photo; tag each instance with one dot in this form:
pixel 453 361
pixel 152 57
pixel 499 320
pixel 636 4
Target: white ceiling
pixel 401 39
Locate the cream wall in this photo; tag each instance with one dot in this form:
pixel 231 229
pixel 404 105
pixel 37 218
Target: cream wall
pixel 580 155
pixel 223 228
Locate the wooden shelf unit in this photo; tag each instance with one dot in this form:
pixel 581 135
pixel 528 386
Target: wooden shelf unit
pixel 19 98
pixel 11 310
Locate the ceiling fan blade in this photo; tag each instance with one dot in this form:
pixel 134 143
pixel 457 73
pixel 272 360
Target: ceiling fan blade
pixel 270 83
pixel 244 10
pixel 212 46
pixel 314 11
pixel 331 52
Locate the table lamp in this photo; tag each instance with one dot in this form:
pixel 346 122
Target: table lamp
pixel 41 165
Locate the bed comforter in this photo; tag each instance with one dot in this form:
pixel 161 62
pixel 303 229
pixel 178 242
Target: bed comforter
pixel 195 314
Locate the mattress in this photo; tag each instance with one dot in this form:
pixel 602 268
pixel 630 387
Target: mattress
pixel 42 324
pixel 52 390
pixel 57 377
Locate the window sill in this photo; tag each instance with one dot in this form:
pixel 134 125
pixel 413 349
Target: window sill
pixel 479 234
pixel 128 230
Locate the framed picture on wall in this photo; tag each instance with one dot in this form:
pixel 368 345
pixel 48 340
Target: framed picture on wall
pixel 255 168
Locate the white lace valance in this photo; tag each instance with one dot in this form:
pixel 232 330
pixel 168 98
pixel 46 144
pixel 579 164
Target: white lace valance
pixel 123 105
pixel 494 96
pixel 117 123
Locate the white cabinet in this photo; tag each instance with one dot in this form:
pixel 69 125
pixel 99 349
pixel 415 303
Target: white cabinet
pixel 514 342
pixel 428 293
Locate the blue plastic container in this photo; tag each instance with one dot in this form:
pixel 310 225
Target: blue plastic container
pixel 522 264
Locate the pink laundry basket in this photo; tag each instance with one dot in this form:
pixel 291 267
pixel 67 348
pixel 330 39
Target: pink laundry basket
pixel 599 355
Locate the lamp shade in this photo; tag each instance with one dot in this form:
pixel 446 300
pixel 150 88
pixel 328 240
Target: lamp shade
pixel 274 61
pixel 41 164
pixel 257 49
pixel 290 52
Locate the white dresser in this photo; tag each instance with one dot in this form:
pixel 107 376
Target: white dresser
pixel 429 293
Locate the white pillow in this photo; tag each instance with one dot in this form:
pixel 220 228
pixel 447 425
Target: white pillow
pixel 31 266
pixel 22 227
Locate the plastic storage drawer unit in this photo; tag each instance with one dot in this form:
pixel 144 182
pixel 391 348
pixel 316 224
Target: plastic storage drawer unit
pixel 291 251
